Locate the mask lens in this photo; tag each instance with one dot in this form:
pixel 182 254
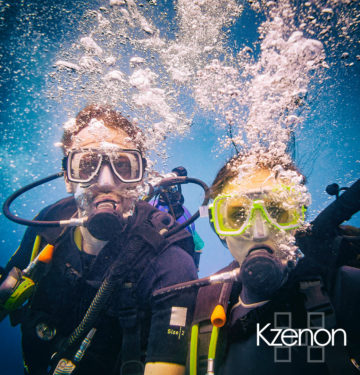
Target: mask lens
pixel 279 214
pixel 84 165
pixel 232 213
pixel 127 165
pixel 236 216
pixel 283 215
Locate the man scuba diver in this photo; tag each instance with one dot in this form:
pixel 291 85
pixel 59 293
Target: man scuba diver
pixel 92 310
pixel 272 288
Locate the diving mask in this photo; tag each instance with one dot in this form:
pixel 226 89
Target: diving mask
pixel 232 215
pixel 83 165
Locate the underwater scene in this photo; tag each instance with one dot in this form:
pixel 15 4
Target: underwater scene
pixel 202 79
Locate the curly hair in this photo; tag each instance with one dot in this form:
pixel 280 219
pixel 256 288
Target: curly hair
pixel 110 117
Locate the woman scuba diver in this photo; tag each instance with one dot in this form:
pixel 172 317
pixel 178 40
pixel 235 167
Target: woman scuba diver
pixel 273 291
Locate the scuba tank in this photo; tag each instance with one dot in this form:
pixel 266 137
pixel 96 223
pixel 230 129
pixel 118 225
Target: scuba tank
pixel 171 200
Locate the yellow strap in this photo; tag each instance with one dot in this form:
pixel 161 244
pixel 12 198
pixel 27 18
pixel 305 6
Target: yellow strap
pixel 193 349
pixel 36 247
pixel 78 238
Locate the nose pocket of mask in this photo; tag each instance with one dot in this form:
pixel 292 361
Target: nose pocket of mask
pixel 260 230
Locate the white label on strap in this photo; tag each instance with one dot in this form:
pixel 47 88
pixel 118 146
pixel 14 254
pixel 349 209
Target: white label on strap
pixel 204 211
pixel 178 316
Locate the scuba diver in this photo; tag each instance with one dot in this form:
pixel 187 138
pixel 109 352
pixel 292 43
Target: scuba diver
pixel 251 323
pixel 90 308
pixel 171 200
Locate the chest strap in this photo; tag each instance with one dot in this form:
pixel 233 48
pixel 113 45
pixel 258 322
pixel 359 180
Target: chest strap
pixel 317 303
pixel 205 330
pixel 130 355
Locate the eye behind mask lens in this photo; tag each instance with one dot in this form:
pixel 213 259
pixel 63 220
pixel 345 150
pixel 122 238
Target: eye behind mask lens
pixel 236 216
pixel 127 165
pixel 281 215
pixel 84 164
pixel 122 166
pixel 88 165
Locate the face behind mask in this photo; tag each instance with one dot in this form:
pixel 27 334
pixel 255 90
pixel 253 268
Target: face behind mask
pixel 106 202
pixel 257 220
pixel 263 266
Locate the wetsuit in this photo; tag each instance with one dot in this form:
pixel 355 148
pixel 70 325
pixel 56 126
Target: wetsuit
pixel 240 348
pixel 132 325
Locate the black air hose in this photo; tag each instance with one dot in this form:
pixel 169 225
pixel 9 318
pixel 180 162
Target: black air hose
pixel 181 180
pixel 92 312
pixel 31 223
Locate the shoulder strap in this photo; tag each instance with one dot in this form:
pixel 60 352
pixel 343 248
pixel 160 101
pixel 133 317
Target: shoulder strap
pixel 347 307
pixel 317 303
pixel 63 209
pixel 158 223
pixel 204 335
pixel 144 238
pixel 321 313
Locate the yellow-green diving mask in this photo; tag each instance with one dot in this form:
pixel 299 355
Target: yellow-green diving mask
pixel 233 214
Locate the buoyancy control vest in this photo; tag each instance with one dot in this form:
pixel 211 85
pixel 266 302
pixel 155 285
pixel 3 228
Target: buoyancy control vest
pixel 140 244
pixel 209 343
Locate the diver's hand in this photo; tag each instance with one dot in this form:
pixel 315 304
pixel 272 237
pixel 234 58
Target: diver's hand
pixel 164 368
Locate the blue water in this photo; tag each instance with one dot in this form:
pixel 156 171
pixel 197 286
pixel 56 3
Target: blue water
pixel 327 148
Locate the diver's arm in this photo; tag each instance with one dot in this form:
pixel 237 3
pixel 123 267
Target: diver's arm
pixel 171 315
pixel 164 368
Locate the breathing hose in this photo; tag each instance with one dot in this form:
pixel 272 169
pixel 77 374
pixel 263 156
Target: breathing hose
pixel 92 312
pixel 31 223
pixel 81 221
pixel 214 279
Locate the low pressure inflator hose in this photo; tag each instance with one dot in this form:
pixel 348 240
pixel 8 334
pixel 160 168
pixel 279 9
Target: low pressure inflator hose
pixel 214 279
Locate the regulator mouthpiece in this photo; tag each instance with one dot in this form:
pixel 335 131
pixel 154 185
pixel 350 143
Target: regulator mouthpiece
pixel 262 274
pixel 104 224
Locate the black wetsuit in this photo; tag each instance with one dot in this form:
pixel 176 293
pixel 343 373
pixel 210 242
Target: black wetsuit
pixel 242 350
pixel 65 291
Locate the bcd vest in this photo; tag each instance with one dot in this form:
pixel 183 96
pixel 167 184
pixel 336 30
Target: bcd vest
pixel 66 290
pixel 209 344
